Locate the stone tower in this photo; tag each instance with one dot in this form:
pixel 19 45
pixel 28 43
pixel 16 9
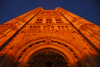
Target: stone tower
pixel 49 38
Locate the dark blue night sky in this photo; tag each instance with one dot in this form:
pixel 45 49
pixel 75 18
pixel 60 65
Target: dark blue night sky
pixel 87 9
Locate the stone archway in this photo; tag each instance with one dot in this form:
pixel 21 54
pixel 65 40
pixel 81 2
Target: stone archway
pixel 62 48
pixel 47 58
pixel 42 49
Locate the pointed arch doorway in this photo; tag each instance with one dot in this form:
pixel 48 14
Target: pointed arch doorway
pixel 47 58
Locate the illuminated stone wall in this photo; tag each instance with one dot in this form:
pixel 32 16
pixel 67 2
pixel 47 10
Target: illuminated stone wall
pixel 72 40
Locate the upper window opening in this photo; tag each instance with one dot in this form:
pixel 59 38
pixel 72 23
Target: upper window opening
pixel 54 12
pixel 48 25
pixel 48 20
pixel 48 12
pixel 58 26
pixel 31 26
pixel 39 22
pixel 62 26
pixel 58 20
pixel 35 26
pixel 52 26
pixel 43 12
pixel 39 19
pixel 38 26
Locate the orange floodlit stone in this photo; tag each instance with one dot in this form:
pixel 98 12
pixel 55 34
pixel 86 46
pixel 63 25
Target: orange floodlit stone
pixel 49 38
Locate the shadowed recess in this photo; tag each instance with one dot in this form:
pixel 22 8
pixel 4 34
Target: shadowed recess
pixel 47 59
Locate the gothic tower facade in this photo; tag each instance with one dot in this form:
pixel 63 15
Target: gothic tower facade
pixel 49 38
